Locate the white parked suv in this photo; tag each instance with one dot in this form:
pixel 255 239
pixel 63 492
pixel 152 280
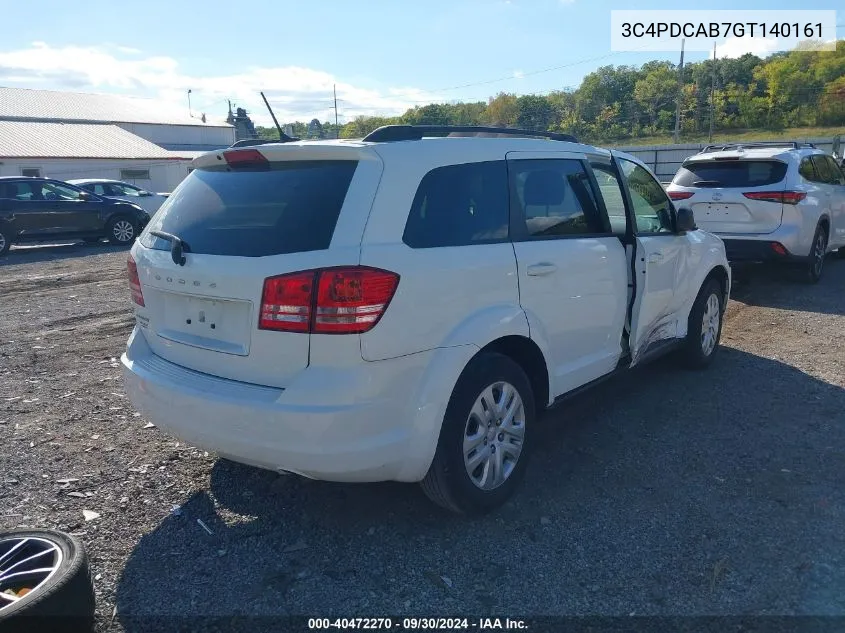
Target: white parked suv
pixel 780 202
pixel 403 307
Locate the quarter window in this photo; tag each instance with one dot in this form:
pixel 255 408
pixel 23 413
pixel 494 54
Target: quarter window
pixel 611 192
pixel 822 169
pixel 460 205
pixel 806 169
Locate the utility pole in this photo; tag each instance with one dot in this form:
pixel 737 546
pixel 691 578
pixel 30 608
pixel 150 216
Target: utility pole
pixel 712 95
pixel 190 113
pixel 336 128
pixel 677 135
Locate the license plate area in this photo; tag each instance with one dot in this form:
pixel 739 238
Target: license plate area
pixel 220 325
pixel 715 212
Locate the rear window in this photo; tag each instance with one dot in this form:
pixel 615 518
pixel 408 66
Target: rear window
pixel 287 207
pixel 737 173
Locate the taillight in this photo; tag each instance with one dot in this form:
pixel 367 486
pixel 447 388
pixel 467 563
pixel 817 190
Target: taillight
pixel 347 300
pixel 681 195
pixel 778 248
pixel 244 157
pixel 784 197
pixel 134 281
pixel 286 302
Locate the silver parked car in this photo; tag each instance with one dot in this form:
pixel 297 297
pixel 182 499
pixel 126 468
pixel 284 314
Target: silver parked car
pixel 119 190
pixel 767 201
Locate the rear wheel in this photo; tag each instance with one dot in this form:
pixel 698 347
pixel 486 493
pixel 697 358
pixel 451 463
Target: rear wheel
pixel 485 439
pixel 45 584
pixel 704 327
pixel 121 230
pixel 815 266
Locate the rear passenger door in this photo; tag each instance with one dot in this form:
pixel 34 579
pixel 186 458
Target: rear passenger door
pixel 572 272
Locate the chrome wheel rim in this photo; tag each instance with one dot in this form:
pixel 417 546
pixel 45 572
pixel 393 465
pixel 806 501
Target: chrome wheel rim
pixel 710 324
pixel 123 230
pixel 26 564
pixel 818 254
pixel 494 435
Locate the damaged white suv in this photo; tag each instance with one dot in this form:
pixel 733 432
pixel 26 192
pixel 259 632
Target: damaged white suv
pixel 403 307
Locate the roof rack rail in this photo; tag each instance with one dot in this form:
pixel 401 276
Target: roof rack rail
pixel 726 146
pixel 391 133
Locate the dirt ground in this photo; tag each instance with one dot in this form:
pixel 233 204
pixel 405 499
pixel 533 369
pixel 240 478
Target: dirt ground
pixel 665 492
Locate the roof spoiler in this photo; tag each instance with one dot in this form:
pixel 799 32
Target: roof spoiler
pixel 249 142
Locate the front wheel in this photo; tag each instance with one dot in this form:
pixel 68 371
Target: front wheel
pixel 485 439
pixel 704 327
pixel 121 231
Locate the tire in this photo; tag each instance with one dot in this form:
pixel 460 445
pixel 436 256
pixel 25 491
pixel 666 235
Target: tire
pixel 64 599
pixel 818 250
pixel 121 230
pixel 448 482
pixel 841 252
pixel 697 351
pixel 5 239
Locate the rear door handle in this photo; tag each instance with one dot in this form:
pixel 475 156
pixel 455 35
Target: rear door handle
pixel 655 258
pixel 543 268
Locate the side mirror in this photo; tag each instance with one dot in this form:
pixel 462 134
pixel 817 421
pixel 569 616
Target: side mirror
pixel 685 220
pixel 84 195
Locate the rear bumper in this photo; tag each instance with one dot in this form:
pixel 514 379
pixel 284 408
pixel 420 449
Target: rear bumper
pixel 743 250
pixel 352 423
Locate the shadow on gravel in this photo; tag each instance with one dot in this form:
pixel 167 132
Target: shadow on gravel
pixel 665 492
pixel 52 252
pixel 775 287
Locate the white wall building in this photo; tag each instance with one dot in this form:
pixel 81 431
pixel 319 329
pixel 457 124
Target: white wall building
pixel 67 135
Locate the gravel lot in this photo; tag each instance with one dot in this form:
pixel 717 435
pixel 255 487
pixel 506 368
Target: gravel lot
pixel 664 492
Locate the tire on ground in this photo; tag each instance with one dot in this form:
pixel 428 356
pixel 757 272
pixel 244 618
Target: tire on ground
pixel 447 482
pixel 815 265
pixel 64 602
pixel 5 239
pixel 113 223
pixel 693 353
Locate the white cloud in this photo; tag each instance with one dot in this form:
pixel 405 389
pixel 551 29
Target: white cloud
pixel 518 74
pixel 295 93
pixel 734 47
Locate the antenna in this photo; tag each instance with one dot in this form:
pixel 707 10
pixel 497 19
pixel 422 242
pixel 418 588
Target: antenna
pixel 282 135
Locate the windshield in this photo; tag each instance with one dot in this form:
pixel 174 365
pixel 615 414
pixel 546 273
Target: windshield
pixel 287 207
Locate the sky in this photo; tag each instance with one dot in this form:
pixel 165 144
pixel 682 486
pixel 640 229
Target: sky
pixel 383 56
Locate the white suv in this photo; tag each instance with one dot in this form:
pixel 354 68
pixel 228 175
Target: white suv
pixel 403 307
pixel 768 201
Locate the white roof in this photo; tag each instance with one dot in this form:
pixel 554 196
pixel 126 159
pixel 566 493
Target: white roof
pixel 27 139
pixel 50 105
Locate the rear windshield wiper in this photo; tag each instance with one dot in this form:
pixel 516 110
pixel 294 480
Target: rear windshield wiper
pixel 706 183
pixel 177 246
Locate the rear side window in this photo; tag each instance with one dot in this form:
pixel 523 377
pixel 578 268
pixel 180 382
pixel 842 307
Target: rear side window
pixel 823 169
pixel 806 169
pixel 459 205
pixel 734 173
pixel 288 207
pixel 554 198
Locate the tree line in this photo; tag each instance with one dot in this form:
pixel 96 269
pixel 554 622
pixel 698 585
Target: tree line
pixel 793 89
